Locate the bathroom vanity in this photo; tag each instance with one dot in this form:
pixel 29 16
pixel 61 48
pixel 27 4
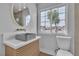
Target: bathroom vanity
pixel 24 19
pixel 30 47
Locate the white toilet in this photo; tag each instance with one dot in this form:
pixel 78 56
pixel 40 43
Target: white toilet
pixel 64 46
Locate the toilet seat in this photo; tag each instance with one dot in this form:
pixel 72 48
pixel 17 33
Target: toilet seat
pixel 63 53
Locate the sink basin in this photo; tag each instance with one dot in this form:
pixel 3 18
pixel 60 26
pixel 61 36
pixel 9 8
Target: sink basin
pixel 25 36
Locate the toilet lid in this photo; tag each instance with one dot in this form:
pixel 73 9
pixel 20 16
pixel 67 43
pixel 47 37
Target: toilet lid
pixel 63 53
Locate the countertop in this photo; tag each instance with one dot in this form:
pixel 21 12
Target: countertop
pixel 17 43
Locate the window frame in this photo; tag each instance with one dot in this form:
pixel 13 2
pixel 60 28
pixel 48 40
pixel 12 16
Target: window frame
pixel 66 19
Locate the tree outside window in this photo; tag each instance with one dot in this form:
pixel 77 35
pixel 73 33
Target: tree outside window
pixel 53 16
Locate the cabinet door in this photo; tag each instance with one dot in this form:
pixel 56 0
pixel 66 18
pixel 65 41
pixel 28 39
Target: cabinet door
pixel 31 49
pixel 10 51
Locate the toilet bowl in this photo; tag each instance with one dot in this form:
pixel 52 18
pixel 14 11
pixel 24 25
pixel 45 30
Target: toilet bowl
pixel 64 46
pixel 63 53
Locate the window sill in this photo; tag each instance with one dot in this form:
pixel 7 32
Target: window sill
pixel 63 34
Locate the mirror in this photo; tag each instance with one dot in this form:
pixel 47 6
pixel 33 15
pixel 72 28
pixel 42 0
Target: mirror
pixel 21 14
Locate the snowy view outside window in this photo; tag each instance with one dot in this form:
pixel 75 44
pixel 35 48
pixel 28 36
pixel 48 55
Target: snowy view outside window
pixel 45 22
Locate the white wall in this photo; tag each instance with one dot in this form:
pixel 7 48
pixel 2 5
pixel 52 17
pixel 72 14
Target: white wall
pixel 7 24
pixel 48 41
pixel 71 24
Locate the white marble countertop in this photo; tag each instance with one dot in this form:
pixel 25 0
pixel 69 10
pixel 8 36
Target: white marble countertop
pixel 17 43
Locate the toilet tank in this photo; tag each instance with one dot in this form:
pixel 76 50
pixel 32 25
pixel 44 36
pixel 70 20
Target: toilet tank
pixel 63 42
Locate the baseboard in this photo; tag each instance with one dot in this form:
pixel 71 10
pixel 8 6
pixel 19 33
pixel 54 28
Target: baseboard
pixel 48 51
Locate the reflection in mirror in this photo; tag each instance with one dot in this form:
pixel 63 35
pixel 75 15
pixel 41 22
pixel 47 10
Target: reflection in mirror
pixel 21 14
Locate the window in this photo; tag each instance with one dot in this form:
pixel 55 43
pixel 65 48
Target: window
pixel 28 18
pixel 46 25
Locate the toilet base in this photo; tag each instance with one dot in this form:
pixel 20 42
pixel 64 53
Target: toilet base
pixel 63 53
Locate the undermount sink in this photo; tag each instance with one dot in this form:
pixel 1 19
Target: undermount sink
pixel 25 36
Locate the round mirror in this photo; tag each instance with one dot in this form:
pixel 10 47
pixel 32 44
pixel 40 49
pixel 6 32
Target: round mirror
pixel 21 14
